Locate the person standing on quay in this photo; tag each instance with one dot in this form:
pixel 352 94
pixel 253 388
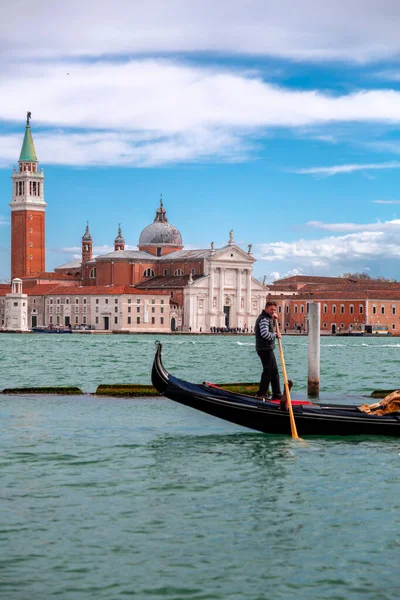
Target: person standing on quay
pixel 265 344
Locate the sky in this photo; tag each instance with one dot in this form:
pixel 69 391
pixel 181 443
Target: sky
pixel 277 120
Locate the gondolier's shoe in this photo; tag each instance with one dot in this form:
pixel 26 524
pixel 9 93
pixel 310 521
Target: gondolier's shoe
pixel 283 403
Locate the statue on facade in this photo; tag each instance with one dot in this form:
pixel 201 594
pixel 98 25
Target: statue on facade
pixel 265 280
pixel 249 248
pixel 28 117
pixel 231 236
pixel 212 246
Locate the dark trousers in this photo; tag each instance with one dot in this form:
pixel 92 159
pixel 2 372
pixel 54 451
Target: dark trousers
pixel 270 374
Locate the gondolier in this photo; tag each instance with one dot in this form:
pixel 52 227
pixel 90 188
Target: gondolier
pixel 265 344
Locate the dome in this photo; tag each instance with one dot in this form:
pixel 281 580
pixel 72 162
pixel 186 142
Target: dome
pixel 160 232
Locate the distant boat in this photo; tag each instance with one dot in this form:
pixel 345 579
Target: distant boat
pixel 51 329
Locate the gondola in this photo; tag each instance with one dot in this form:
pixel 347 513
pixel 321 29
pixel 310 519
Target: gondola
pixel 267 416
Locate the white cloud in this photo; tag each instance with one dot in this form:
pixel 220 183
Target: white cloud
pixel 338 169
pixel 368 243
pixel 393 225
pixel 386 201
pixel 149 112
pixel 301 30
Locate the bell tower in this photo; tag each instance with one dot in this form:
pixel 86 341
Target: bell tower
pixel 27 212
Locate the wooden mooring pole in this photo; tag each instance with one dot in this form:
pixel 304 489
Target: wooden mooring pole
pixel 314 320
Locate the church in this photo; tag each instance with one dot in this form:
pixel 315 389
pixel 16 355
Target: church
pixel 185 290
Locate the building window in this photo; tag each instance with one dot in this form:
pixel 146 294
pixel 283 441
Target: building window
pixel 153 301
pixel 76 300
pixel 129 320
pixel 374 310
pixel 178 272
pixel 138 309
pixel 138 320
pixel 97 320
pixel 161 309
pixel 116 309
pixel 162 300
pixel 393 310
pixel 153 320
pixel 193 271
pixel 334 309
pixel 341 325
pixel 84 320
pixel 342 309
pixel 15 303
pixel 97 300
pixel 58 319
pixel 172 294
pixel 325 309
pixel 129 309
pixel 76 319
pixel 66 300
pixel 286 324
pixel 84 301
pixel 302 309
pixel 106 301
pixel 153 309
pixel 158 251
pixel 295 309
pixel 162 320
pixel 58 300
pixel 382 310
pixel 324 325
pixel 51 320
pixel 97 309
pixel 279 309
pixel 287 309
pixel 92 273
pixel 351 309
pixel 138 300
pixel 361 309
pixel 129 300
pixel 116 320
pixel 116 300
pixel 148 273
pixel 393 326
pixel 165 272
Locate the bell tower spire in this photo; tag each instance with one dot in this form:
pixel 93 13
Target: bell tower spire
pixel 27 212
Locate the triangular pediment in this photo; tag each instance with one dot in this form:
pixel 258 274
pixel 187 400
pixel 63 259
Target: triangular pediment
pixel 232 254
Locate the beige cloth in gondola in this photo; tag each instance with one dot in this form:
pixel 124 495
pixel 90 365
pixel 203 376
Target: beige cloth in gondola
pixel 389 404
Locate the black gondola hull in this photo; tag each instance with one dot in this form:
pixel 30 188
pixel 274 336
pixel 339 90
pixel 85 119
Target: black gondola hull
pixel 267 417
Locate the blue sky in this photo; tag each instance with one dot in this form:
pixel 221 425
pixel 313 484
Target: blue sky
pixel 278 121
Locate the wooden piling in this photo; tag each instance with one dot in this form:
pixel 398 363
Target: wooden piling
pixel 314 348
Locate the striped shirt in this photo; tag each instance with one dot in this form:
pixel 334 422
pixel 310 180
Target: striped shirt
pixel 266 330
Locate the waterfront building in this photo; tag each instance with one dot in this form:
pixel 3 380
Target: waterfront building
pixel 16 308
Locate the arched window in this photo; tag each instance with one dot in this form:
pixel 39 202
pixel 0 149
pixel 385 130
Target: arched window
pixel 148 273
pixel 178 272
pixel 92 273
pixel 361 309
pixel 325 309
pixel 351 309
pixel 334 309
pixel 295 309
pixel 342 309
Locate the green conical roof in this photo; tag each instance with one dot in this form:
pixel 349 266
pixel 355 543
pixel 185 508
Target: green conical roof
pixel 28 152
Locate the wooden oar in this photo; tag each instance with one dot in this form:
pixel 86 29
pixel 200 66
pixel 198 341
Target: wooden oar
pixel 287 391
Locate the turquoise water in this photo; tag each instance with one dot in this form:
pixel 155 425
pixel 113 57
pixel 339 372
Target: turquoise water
pixel 106 498
pixel 348 365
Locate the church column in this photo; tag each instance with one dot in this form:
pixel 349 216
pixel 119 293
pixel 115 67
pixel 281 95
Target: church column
pixel 221 290
pixel 238 290
pixel 248 290
pixel 211 291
